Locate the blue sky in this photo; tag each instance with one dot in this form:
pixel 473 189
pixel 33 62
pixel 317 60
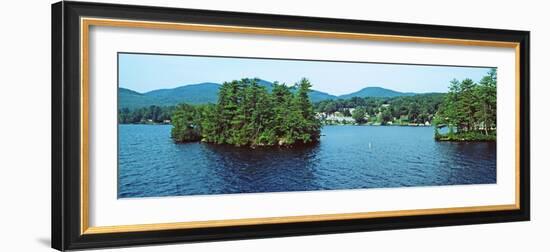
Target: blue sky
pixel 144 72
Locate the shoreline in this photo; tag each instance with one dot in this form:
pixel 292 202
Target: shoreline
pixel 438 137
pixel 466 137
pixel 380 125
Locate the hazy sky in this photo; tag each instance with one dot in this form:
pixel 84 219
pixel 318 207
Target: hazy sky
pixel 142 73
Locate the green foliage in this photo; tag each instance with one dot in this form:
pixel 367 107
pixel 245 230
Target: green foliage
pixel 359 115
pixel 416 109
pixel 385 116
pixel 186 124
pixel 469 108
pixel 201 93
pixel 487 94
pixel 413 111
pixel 474 135
pixel 210 132
pixel 247 114
pixel 151 114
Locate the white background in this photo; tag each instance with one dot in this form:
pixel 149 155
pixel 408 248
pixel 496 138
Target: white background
pixel 25 126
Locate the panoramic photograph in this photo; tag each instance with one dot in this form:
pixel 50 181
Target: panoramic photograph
pixel 209 125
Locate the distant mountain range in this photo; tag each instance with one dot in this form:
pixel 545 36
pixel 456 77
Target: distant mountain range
pixel 207 92
pixel 375 92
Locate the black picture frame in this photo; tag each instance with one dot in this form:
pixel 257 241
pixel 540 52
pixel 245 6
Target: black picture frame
pixel 66 114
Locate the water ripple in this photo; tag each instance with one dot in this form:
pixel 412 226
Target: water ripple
pixel 348 157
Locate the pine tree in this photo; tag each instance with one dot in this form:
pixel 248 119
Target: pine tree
pixel 487 98
pixel 248 115
pixel 186 124
pixel 470 107
pixel 359 115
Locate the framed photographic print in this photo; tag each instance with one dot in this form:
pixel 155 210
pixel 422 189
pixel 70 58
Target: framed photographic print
pixel 178 125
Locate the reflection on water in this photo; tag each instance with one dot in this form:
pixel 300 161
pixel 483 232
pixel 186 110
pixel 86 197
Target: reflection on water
pixel 348 157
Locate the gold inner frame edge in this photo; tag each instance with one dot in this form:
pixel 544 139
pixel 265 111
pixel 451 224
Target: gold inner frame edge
pixel 85 24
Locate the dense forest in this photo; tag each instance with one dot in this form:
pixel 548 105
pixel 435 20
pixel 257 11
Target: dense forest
pixel 151 114
pixel 469 110
pixel 246 114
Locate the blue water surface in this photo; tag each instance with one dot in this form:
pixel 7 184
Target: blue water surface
pixel 347 157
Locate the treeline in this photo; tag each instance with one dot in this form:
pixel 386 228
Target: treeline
pixel 151 114
pixel 469 109
pixel 417 109
pixel 248 115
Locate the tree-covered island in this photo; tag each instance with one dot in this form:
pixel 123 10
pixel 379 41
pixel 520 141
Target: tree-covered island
pixel 469 110
pixel 247 114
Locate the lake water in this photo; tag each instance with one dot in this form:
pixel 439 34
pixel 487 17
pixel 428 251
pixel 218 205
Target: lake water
pixel 347 157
